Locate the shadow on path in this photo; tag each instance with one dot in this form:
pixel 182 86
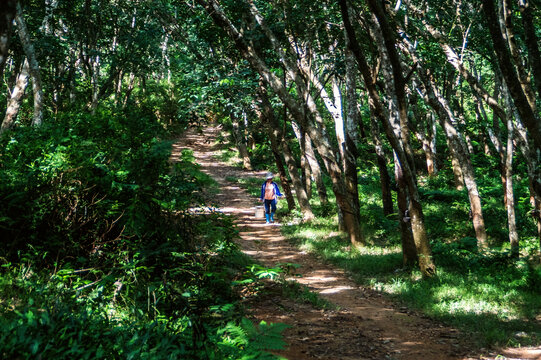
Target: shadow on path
pixel 365 326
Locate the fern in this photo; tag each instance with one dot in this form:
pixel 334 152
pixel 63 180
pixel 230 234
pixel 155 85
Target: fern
pixel 248 341
pixel 265 336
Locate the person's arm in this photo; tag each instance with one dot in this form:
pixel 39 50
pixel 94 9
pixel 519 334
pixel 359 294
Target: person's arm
pixel 277 190
pixel 262 192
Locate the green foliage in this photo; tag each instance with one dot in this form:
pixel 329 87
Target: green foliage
pixel 491 295
pixel 105 259
pixel 247 341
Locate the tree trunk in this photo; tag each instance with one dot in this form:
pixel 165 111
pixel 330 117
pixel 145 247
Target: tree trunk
pixel 131 86
pixel 510 76
pixel 317 135
pixel 240 144
pixel 458 177
pixel 385 179
pixel 275 132
pixel 409 251
pixel 95 83
pixel 424 254
pixel 534 173
pixel 17 94
pixel 34 70
pixel 8 9
pixel 511 220
pixel 532 42
pixel 312 161
pixel 351 134
pixel 509 35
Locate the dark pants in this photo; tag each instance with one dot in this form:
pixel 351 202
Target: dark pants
pixel 270 206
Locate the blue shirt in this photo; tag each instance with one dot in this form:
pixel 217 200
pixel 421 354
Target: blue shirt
pixel 276 189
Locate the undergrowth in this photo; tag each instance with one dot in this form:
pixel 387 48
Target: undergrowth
pixel 492 297
pixel 106 259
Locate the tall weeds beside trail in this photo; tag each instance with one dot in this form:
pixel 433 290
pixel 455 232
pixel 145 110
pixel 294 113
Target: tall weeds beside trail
pixel 102 258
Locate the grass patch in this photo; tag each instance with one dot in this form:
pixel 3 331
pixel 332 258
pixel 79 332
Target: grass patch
pixel 493 297
pixel 301 293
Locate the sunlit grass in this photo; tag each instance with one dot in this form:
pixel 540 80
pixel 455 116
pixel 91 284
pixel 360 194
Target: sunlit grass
pixel 493 303
pixel 491 297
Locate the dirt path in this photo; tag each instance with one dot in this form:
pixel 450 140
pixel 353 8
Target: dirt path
pixel 366 324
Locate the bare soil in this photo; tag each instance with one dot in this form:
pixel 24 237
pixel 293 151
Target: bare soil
pixel 364 325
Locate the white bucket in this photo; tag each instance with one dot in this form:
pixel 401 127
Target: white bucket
pixel 259 212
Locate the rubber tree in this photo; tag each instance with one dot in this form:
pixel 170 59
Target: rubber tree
pixel 7 14
pixel 297 110
pixel 33 66
pixel 424 254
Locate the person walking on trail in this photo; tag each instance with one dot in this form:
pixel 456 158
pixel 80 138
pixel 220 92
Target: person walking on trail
pixel 269 194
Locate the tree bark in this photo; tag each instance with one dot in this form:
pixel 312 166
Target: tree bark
pixel 409 250
pixel 384 178
pixel 527 114
pixel 532 42
pixel 240 144
pixel 275 132
pixel 534 173
pixel 509 35
pixel 17 93
pixel 310 155
pixel 351 134
pixel 323 146
pixel 426 264
pixel 8 9
pixel 34 70
pixel 510 198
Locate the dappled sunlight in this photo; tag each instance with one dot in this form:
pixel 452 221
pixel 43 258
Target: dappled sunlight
pixel 364 316
pixel 336 289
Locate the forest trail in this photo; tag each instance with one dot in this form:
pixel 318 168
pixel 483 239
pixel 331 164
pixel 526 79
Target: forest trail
pixel 365 325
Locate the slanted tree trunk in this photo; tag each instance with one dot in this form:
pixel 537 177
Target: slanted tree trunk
pixel 34 70
pixel 317 134
pixel 240 144
pixel 17 93
pixel 264 109
pixel 457 148
pixel 306 175
pixel 8 9
pixel 310 156
pixel 532 42
pixel 508 32
pixel 424 254
pixel 274 130
pixel 511 220
pixel 385 179
pixel 509 73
